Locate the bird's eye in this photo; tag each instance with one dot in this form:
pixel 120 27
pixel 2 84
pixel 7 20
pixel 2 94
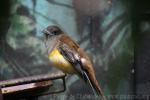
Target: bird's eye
pixel 55 32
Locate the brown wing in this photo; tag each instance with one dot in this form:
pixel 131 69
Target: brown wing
pixel 86 62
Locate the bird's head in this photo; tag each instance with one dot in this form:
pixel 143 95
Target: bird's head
pixel 52 31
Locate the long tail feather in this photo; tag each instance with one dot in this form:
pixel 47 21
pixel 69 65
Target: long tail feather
pixel 95 87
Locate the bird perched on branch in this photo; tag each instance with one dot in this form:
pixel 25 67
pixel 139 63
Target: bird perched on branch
pixel 66 55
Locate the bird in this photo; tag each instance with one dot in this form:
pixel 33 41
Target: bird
pixel 66 55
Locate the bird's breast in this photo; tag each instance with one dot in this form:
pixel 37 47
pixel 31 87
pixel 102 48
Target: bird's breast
pixel 58 61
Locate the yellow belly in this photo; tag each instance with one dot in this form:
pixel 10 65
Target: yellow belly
pixel 58 61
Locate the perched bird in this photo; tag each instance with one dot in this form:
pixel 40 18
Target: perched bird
pixel 66 55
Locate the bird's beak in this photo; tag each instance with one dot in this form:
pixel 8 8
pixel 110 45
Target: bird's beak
pixel 47 33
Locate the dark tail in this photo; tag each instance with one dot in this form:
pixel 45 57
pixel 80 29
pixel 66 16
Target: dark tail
pixel 91 80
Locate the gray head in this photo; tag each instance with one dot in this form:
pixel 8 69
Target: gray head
pixel 51 31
